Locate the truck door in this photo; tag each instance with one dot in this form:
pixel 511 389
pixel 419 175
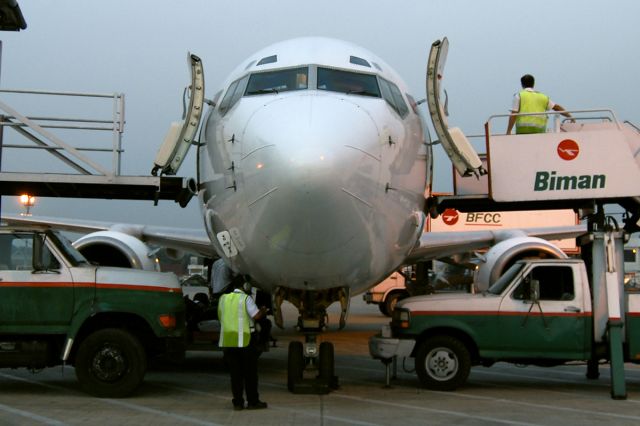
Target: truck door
pixel 33 301
pixel 552 324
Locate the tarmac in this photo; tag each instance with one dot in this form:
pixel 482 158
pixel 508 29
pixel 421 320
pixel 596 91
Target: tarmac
pixel 198 392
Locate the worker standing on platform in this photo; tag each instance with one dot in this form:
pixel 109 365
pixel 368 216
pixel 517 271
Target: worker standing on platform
pixel 530 101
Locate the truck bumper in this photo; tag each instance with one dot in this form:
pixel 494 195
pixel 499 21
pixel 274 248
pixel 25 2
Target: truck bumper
pixel 385 348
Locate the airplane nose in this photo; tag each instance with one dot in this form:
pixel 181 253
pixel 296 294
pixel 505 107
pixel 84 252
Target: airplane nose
pixel 310 166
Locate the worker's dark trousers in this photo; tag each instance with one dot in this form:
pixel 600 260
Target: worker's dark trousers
pixel 243 366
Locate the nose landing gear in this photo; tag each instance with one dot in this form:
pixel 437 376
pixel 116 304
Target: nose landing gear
pixel 311 366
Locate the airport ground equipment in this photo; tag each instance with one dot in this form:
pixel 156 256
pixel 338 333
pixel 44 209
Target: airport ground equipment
pixel 85 149
pixel 57 308
pixel 542 312
pixel 590 160
pixel 547 311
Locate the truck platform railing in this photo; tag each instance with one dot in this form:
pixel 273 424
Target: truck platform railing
pixel 585 160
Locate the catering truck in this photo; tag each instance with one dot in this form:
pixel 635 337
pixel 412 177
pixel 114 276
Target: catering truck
pixel 56 308
pixel 543 312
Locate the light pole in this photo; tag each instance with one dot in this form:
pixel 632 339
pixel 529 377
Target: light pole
pixel 27 201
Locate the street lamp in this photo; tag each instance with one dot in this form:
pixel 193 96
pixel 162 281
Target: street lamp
pixel 27 201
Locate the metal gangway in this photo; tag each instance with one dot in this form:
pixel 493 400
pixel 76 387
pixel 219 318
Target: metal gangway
pixel 78 168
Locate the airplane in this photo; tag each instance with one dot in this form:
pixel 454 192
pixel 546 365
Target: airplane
pixel 313 167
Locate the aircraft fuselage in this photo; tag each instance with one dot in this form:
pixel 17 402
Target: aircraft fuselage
pixel 312 175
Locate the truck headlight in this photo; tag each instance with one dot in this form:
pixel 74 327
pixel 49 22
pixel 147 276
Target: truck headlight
pixel 401 318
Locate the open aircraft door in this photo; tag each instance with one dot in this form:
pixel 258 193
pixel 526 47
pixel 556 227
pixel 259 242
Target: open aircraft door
pixel 180 136
pixel 462 155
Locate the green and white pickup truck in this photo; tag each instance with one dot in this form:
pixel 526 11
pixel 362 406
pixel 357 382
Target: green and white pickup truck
pixel 539 312
pixel 57 308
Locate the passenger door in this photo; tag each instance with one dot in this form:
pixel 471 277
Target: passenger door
pixel 33 301
pixel 462 154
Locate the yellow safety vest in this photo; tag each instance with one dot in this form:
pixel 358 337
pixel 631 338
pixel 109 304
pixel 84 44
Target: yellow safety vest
pixel 532 102
pixel 234 321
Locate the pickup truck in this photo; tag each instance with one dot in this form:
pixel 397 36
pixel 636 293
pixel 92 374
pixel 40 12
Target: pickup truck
pixel 538 312
pixel 56 308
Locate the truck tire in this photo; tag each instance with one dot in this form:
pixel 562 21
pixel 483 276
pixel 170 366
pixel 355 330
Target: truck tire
pixel 295 365
pixel 383 309
pixel 443 363
pixel 110 363
pixel 391 302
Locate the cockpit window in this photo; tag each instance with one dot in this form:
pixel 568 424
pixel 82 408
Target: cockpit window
pixel 268 60
pixel 234 93
pixel 278 81
pixel 359 61
pixel 392 95
pixel 348 82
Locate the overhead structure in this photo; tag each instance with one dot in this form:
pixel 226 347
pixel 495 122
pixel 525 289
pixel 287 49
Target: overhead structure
pixel 11 18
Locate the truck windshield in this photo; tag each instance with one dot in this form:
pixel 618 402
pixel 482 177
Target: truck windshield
pixel 74 256
pixel 506 278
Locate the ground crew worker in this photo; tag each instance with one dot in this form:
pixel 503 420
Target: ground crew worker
pixel 530 101
pixel 237 312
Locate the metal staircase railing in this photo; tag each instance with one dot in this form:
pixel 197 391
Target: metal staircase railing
pixel 36 130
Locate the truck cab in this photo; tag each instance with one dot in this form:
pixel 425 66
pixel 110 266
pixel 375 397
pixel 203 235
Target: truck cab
pixel 538 312
pixel 57 308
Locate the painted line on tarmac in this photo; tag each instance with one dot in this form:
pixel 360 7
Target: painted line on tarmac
pixel 31 416
pixel 136 407
pixel 434 410
pixel 513 401
pixel 148 410
pixel 307 413
pixel 580 411
pixel 539 379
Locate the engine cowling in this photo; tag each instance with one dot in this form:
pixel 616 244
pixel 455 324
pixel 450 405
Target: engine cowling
pixel 504 254
pixel 113 248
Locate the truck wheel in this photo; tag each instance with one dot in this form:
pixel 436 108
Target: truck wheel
pixel 295 365
pixel 391 302
pixel 110 363
pixel 383 309
pixel 443 363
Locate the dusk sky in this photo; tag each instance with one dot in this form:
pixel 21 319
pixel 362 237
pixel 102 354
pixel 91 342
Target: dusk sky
pixel 583 53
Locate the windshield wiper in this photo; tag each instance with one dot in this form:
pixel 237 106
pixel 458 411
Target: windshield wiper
pixel 262 91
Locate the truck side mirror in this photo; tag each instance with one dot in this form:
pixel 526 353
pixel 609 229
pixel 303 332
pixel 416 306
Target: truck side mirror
pixel 36 258
pixel 534 291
